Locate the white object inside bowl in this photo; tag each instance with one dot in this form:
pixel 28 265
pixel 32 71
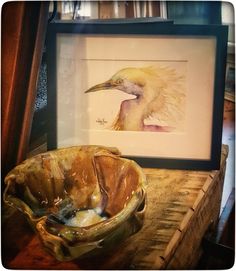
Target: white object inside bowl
pixel 84 218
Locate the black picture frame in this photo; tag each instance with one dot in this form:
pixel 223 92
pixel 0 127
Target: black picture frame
pixel 145 28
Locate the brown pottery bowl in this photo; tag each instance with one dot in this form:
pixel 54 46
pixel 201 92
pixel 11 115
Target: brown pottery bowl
pixel 80 200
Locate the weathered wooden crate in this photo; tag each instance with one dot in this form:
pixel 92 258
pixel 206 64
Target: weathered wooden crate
pixel 181 206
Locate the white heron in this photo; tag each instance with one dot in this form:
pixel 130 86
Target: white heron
pixel 160 96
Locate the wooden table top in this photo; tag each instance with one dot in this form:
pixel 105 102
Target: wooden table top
pixel 177 204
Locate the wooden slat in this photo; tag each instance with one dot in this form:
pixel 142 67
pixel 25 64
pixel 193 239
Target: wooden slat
pixel 111 9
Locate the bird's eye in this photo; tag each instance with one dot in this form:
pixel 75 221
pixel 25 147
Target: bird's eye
pixel 119 81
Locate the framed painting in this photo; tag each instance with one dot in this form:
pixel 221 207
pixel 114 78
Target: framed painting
pixel 153 90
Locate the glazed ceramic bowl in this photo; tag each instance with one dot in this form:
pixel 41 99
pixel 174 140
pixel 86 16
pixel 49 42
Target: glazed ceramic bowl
pixel 80 200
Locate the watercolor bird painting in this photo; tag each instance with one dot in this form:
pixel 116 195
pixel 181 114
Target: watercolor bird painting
pixel 159 95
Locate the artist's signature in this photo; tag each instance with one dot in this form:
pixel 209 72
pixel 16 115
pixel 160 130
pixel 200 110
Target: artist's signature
pixel 101 121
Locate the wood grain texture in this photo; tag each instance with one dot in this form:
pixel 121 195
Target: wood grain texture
pixel 23 32
pixel 181 206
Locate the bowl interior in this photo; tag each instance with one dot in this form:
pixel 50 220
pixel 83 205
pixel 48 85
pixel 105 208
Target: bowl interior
pixel 61 183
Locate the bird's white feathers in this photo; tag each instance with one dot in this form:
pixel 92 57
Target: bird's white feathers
pixel 168 106
pixel 163 92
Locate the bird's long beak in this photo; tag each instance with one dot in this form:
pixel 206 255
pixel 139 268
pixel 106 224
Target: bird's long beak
pixel 106 85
